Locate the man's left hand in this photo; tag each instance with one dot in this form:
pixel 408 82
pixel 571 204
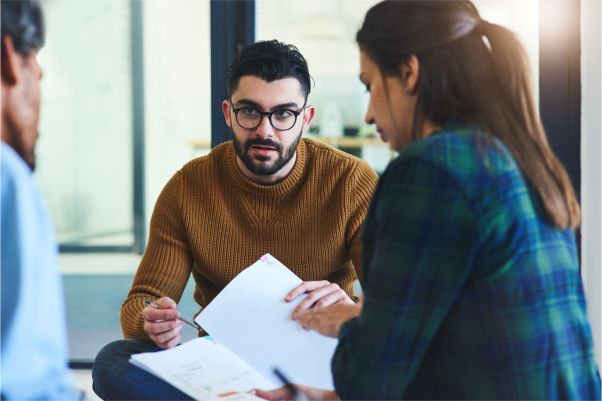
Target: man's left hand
pixel 319 294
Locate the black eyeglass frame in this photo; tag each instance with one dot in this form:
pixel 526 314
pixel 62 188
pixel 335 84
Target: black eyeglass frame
pixel 269 114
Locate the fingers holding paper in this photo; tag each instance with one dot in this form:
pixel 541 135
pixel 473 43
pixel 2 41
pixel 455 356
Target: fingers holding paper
pixel 311 393
pixel 162 325
pixel 328 321
pixel 319 294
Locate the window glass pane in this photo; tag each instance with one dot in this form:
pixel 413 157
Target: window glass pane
pixel 177 87
pixel 522 17
pixel 85 147
pixel 86 153
pixel 324 31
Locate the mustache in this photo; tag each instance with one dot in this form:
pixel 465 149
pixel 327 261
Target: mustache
pixel 263 142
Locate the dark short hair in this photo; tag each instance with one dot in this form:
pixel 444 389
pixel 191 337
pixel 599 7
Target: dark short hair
pixel 269 60
pixel 23 21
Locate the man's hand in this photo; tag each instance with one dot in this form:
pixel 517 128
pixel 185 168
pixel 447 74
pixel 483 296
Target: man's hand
pixel 320 294
pixel 310 393
pixel 162 325
pixel 328 321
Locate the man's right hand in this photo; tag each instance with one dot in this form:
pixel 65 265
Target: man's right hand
pixel 162 325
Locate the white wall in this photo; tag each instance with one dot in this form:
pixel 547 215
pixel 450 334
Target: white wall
pixel 591 152
pixel 177 88
pixel 85 147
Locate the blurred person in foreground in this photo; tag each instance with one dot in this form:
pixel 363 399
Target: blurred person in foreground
pixel 34 342
pixel 472 283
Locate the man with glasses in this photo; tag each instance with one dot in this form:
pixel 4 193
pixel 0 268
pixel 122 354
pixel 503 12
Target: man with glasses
pixel 267 190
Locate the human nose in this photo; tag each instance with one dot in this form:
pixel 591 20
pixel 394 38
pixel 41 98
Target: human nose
pixel 38 67
pixel 369 116
pixel 265 129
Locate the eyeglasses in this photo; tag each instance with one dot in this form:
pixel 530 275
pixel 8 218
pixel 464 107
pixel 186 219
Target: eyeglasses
pixel 250 118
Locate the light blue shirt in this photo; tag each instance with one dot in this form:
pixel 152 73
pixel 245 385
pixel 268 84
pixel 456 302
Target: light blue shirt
pixel 34 346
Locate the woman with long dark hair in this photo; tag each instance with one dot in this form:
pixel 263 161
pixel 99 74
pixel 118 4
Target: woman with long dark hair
pixel 471 274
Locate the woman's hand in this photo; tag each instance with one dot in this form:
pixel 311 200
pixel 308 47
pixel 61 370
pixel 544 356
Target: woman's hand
pixel 328 321
pixel 311 393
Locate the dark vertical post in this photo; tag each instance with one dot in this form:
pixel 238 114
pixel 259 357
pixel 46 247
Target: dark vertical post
pixel 136 8
pixel 560 81
pixel 560 84
pixel 232 28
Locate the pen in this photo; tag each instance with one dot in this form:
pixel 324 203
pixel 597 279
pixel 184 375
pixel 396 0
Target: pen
pixel 157 306
pixel 294 392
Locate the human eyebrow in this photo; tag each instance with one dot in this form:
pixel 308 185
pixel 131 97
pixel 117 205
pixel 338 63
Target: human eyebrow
pixel 289 105
pixel 250 103
pixel 247 103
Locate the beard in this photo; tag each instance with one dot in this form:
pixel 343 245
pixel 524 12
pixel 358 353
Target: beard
pixel 260 165
pixel 17 140
pixel 30 159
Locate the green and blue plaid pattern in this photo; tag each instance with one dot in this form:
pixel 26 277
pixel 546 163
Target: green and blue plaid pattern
pixel 469 292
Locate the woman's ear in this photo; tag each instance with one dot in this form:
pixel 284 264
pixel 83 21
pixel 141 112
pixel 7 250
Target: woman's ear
pixel 410 72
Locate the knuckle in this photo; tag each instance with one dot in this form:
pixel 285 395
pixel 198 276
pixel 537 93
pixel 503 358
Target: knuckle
pixel 302 306
pixel 313 296
pixel 165 337
pixel 326 301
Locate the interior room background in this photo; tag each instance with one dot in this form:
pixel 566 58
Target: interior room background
pixel 131 92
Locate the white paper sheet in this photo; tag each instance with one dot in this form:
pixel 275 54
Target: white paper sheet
pixel 251 318
pixel 203 369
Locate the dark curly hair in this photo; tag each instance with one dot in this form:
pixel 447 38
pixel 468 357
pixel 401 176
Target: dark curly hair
pixel 269 60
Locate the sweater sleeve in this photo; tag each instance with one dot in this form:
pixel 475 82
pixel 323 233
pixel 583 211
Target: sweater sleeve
pixel 422 233
pixel 359 194
pixel 167 262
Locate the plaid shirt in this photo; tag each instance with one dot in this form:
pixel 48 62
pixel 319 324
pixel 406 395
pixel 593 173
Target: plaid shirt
pixel 469 292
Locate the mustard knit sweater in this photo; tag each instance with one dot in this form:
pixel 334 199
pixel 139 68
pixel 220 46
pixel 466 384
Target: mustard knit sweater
pixel 213 222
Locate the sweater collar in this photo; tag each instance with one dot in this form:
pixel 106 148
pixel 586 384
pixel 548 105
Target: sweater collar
pixel 284 187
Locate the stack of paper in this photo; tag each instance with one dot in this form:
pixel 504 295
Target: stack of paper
pixel 253 333
pixel 203 369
